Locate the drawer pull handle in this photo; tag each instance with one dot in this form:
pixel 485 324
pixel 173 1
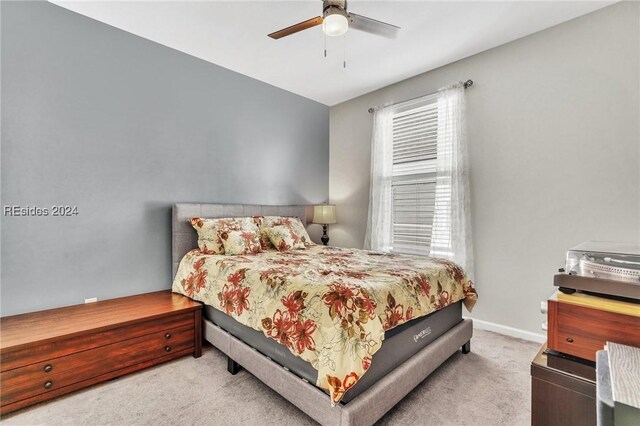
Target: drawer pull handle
pixel 167 348
pixel 48 368
pixel 167 336
pixel 48 384
pixel 569 339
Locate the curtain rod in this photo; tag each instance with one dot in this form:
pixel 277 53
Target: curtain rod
pixel 466 85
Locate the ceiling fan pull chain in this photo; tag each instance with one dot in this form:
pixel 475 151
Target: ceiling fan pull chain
pixel 344 52
pixel 324 36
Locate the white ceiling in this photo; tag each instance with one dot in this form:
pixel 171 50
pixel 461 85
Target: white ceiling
pixel 233 34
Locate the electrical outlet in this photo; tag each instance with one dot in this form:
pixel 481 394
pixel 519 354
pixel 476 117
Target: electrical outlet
pixel 91 300
pixel 544 307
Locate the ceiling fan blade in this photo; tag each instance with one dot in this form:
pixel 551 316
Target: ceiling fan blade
pixel 362 23
pixel 301 26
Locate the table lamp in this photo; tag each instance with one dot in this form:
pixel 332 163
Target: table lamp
pixel 324 214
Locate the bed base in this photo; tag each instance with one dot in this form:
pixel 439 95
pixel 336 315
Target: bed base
pixel 365 409
pixel 232 366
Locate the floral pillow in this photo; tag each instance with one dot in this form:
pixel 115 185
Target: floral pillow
pixel 293 223
pixel 241 242
pixel 284 238
pixel 209 231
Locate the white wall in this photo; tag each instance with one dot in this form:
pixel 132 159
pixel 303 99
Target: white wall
pixel 554 147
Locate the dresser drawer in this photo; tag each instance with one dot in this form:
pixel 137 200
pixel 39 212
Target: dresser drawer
pixel 582 331
pixel 47 351
pixel 52 374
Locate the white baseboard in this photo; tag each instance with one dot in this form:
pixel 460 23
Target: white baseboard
pixel 508 331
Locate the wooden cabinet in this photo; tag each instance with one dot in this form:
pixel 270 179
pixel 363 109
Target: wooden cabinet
pixel 50 353
pixel 563 391
pixel 581 324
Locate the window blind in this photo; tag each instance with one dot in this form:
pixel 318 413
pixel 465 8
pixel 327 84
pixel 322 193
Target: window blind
pixel 413 187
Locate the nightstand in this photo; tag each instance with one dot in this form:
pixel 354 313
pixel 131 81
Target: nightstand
pixel 50 353
pixel 563 390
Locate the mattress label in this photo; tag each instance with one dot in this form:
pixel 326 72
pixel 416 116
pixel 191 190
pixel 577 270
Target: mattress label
pixel 424 333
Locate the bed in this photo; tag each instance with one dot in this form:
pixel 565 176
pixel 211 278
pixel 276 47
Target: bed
pixel 411 351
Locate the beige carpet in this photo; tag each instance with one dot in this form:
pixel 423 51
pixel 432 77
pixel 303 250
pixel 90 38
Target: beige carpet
pixel 489 386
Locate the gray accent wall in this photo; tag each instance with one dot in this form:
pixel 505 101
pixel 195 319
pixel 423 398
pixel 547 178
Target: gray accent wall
pixel 122 128
pixel 554 148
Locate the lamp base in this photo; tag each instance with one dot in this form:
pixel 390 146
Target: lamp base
pixel 325 237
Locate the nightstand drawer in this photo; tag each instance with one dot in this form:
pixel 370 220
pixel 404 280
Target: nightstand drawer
pixel 47 351
pixel 24 382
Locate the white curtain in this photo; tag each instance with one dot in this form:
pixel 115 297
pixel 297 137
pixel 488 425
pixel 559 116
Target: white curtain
pixel 451 233
pixel 380 220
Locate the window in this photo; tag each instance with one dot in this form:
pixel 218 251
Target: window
pixel 419 198
pixel 413 183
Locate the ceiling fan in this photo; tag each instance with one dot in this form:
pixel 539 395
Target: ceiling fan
pixel 337 20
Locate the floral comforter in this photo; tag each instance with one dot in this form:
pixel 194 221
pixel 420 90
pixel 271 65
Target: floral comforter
pixel 329 306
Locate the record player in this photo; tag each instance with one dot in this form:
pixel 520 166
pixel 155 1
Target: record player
pixel 598 300
pixel 605 269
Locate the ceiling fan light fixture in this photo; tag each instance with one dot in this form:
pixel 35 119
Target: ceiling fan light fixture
pixel 335 22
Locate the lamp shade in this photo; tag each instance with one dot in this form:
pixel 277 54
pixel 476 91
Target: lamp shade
pixel 335 22
pixel 324 214
pixel 335 25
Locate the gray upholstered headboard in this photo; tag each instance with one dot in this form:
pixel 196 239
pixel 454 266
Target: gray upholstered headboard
pixel 185 238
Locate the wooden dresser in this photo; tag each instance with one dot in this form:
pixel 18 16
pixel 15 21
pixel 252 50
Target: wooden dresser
pixel 49 353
